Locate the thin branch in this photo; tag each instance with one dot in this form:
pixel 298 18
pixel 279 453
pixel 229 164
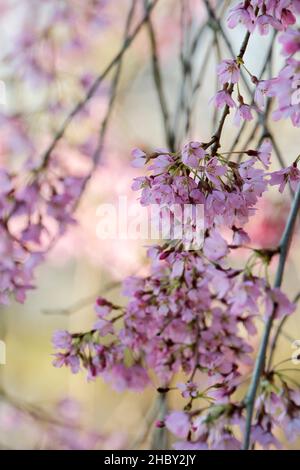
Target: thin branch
pixel 261 118
pixel 217 27
pixel 187 50
pixel 260 361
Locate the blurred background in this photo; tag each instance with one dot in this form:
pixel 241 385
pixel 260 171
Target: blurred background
pixel 50 53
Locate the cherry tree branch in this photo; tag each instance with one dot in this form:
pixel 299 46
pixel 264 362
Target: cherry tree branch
pixel 260 361
pixel 226 111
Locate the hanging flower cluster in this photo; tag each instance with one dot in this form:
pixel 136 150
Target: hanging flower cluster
pixel 38 197
pixel 262 16
pixel 35 208
pixel 193 312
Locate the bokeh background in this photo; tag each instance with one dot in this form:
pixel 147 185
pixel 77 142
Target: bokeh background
pixel 44 407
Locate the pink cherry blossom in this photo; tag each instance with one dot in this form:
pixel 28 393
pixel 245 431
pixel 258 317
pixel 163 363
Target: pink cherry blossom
pixel 290 41
pixel 285 88
pixel 215 247
pixel 223 98
pixel 228 71
pixel 261 92
pixel 278 304
pixel 263 153
pixel 139 158
pixel 178 423
pixel 213 171
pixel 240 237
pixel 192 154
pixel 242 14
pixel 62 339
pixel 243 112
pixel 286 175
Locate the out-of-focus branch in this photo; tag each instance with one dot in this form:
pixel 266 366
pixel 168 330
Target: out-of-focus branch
pixel 113 94
pixel 185 104
pixel 196 87
pixel 146 425
pixel 81 303
pixel 94 87
pixel 113 88
pixel 35 412
pixel 160 435
pixel 187 51
pixel 158 80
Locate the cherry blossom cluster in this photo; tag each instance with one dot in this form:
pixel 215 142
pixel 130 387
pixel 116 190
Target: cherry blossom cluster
pixel 35 208
pixel 39 192
pixel 263 15
pixel 277 408
pixel 188 313
pixel 193 312
pixel 286 87
pixel 280 15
